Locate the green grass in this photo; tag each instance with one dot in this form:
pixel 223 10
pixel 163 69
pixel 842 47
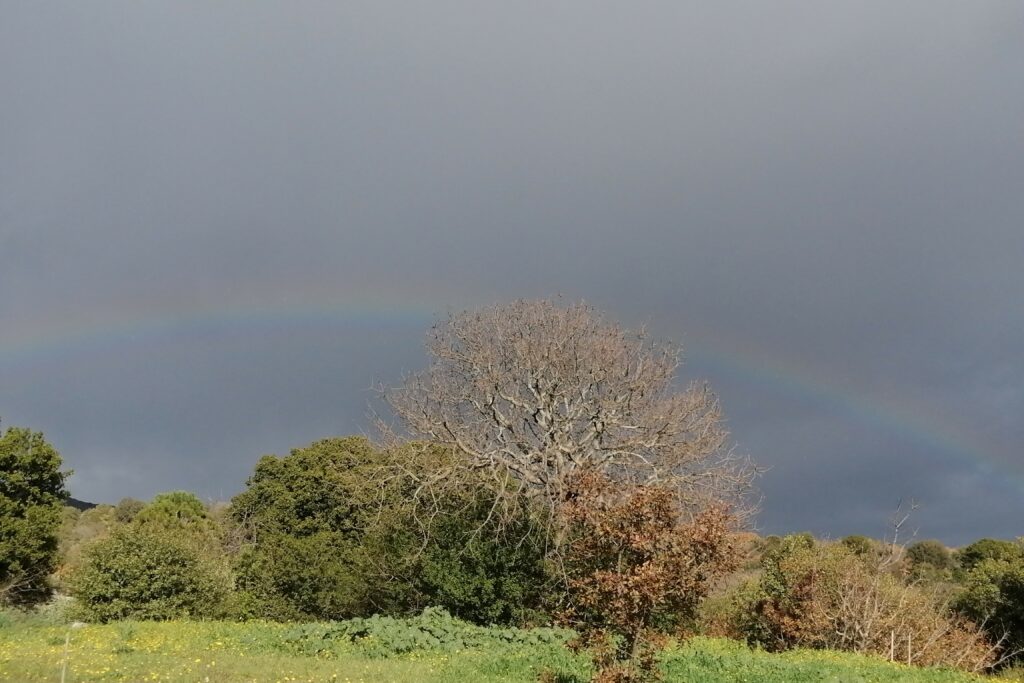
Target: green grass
pixel 703 659
pixel 385 650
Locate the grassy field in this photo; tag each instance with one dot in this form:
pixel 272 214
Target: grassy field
pixel 230 652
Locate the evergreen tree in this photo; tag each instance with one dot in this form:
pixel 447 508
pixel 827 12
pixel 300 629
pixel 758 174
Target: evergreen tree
pixel 31 507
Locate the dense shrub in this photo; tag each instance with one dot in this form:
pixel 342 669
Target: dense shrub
pixel 319 576
pixel 145 574
pixel 825 596
pixel 432 630
pixel 126 510
pixel 179 514
pixel 993 594
pixel 331 531
pixel 930 553
pixel 325 486
pixel 930 561
pixel 174 511
pixel 989 549
pixel 858 545
pixel 768 543
pixel 485 572
pixel 303 518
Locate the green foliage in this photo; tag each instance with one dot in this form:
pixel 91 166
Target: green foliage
pixel 993 594
pixel 296 578
pixel 126 510
pixel 432 630
pixel 323 487
pixel 481 561
pixel 768 543
pixel 146 574
pixel 483 573
pixel 930 561
pixel 331 533
pixel 166 561
pixel 773 579
pixel 182 516
pixel 31 511
pixel 306 518
pixel 989 549
pixel 858 545
pixel 719 660
pixel 175 510
pixel 771 612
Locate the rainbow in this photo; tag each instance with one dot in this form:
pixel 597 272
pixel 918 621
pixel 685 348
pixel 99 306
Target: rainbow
pixel 911 418
pixel 105 333
pixel 915 420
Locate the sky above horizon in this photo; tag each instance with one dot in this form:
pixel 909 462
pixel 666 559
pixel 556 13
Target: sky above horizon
pixel 222 225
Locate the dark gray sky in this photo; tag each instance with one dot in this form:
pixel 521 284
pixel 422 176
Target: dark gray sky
pixel 221 223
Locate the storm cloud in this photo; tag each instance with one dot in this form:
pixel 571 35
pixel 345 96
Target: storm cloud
pixel 221 225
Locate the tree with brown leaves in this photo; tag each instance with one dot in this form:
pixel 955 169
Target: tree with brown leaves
pixel 632 565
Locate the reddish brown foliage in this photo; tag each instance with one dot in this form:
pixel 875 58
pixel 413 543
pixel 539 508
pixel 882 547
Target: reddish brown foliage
pixel 634 561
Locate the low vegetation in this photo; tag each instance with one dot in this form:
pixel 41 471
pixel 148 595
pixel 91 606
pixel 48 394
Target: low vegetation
pixel 431 648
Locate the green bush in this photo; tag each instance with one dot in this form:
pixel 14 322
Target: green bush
pixel 330 532
pixel 993 594
pixel 859 545
pixel 326 486
pixel 302 578
pixel 483 573
pixel 310 528
pixel 432 630
pixel 143 574
pixel 930 561
pixel 126 510
pixel 989 549
pixel 174 510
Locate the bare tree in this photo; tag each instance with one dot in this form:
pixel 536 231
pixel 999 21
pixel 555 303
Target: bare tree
pixel 534 393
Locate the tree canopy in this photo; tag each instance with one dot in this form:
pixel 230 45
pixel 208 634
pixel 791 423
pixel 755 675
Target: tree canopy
pixel 533 393
pixel 31 509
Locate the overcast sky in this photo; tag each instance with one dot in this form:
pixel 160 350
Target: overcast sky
pixel 222 223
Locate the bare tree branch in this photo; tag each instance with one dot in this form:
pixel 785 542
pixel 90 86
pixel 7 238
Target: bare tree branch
pixel 536 393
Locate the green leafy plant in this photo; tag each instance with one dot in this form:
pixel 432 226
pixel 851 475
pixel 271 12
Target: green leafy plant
pixel 989 549
pixel 993 594
pixel 432 630
pixel 144 574
pixel 31 510
pixel 332 531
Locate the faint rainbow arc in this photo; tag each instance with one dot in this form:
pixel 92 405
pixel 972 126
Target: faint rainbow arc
pixel 746 363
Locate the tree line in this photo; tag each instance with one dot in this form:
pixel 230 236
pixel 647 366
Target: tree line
pixel 547 468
